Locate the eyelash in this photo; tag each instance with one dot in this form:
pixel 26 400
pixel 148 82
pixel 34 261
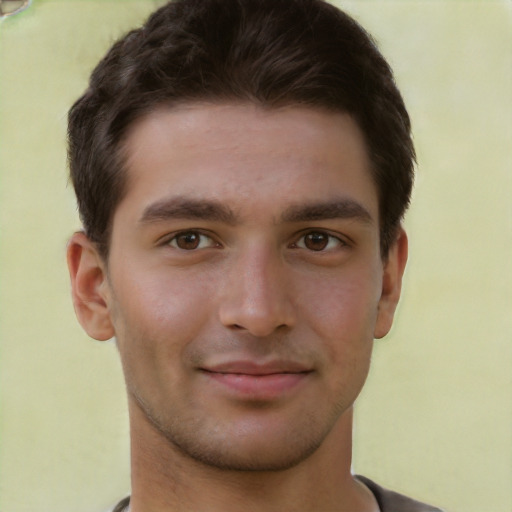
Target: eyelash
pixel 339 242
pixel 299 244
pixel 173 240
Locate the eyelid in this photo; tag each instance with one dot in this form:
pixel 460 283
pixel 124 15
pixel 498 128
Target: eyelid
pixel 342 240
pixel 170 237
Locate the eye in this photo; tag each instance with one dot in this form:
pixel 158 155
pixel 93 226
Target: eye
pixel 319 241
pixel 191 240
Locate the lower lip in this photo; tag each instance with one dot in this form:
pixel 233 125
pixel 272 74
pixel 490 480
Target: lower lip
pixel 259 387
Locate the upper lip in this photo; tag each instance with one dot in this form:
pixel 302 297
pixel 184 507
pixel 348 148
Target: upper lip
pixel 256 368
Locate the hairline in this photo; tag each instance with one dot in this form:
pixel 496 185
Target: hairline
pixel 122 158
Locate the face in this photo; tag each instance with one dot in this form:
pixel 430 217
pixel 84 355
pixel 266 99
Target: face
pixel 245 282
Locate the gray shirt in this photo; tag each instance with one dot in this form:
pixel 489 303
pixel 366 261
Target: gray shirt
pixel 389 501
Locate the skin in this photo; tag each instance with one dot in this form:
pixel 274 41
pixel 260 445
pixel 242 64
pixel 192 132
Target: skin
pixel 244 287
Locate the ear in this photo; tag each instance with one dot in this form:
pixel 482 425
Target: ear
pixel 393 271
pixel 89 287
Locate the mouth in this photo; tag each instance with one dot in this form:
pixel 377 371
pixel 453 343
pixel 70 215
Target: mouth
pixel 261 382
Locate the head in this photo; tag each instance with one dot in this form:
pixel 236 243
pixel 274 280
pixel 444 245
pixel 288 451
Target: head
pixel 241 168
pixel 272 53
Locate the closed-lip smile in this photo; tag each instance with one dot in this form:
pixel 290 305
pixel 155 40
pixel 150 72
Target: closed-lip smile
pixel 256 368
pixel 257 381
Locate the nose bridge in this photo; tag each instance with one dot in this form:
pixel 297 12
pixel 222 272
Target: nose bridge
pixel 256 298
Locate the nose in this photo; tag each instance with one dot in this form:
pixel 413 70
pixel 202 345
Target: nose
pixel 256 295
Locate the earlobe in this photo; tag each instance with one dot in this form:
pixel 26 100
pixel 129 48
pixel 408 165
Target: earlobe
pixel 394 268
pixel 89 287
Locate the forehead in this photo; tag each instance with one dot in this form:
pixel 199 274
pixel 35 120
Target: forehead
pixel 248 156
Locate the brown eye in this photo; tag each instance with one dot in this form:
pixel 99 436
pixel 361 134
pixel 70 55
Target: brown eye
pixel 319 241
pixel 191 240
pixel 316 241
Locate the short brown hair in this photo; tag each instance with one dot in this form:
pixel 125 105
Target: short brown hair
pixel 270 52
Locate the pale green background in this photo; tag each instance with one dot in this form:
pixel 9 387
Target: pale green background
pixel 435 418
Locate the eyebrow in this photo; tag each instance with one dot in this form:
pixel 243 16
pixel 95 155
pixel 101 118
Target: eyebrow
pixel 336 209
pixel 201 209
pixel 186 208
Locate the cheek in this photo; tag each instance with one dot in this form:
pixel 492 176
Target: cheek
pixel 157 316
pixel 340 314
pixel 342 311
pixel 345 305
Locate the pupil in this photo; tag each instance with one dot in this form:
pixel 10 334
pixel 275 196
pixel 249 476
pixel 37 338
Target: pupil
pixel 188 241
pixel 316 241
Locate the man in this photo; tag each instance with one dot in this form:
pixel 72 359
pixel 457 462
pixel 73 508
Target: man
pixel 242 168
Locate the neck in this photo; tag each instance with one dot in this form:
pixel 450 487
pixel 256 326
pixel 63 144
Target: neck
pixel 166 480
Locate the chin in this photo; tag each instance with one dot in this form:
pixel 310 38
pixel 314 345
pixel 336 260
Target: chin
pixel 247 445
pixel 247 455
pixel 259 439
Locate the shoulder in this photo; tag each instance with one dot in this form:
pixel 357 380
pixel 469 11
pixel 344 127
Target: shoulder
pixel 390 501
pixel 121 506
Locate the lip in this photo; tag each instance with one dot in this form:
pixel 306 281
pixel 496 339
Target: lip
pixel 258 382
pixel 257 368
